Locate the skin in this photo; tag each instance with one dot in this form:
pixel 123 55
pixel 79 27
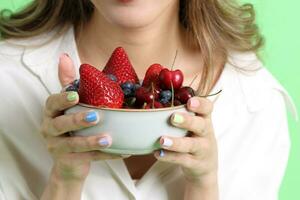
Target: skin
pixel 150 25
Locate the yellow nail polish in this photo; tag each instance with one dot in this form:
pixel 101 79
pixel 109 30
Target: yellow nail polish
pixel 72 96
pixel 178 119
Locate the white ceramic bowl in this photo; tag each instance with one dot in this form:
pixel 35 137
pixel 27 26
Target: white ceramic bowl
pixel 134 131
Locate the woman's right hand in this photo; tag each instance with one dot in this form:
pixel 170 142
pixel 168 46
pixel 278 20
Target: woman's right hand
pixel 72 156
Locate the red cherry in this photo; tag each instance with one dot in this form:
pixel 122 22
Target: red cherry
pixel 177 102
pixel 156 105
pixel 145 95
pixel 184 94
pixel 169 104
pixel 148 106
pixel 167 77
pixel 157 91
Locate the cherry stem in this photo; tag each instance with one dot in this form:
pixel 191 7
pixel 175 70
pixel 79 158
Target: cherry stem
pixel 193 80
pixel 152 87
pixel 144 105
pixel 174 59
pixel 210 95
pixel 172 91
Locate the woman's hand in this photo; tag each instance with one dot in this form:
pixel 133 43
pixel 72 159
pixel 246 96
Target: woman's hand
pixel 72 155
pixel 198 153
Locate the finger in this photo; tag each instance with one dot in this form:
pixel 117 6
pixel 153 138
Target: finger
pixel 93 156
pixel 66 70
pixel 59 102
pixel 62 145
pixel 195 124
pixel 72 122
pixel 201 106
pixel 183 159
pixel 193 145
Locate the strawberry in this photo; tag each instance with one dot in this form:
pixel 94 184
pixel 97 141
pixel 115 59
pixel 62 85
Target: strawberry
pixel 97 89
pixel 152 75
pixel 120 66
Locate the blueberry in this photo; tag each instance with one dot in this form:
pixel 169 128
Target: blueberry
pixel 166 94
pixel 164 101
pixel 76 83
pixel 127 85
pixel 127 92
pixel 112 77
pixel 71 88
pixel 130 101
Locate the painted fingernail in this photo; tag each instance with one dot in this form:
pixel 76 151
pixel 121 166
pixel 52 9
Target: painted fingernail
pixel 166 142
pixel 161 153
pixel 103 142
pixel 194 103
pixel 91 116
pixel 178 119
pixel 64 55
pixel 72 96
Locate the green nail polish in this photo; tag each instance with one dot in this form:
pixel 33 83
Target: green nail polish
pixel 178 119
pixel 72 96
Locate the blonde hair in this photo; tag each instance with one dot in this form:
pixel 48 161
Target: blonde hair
pixel 212 26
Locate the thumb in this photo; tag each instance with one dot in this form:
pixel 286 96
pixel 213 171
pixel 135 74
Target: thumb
pixel 66 70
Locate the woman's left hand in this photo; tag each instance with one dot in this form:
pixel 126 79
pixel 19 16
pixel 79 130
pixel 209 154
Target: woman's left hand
pixel 197 154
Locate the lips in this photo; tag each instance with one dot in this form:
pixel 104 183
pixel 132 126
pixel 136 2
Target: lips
pixel 124 1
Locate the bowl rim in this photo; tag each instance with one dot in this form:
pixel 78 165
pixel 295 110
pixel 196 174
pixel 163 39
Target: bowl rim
pixel 132 110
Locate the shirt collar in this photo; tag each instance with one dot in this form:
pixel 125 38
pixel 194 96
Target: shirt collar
pixel 41 55
pixel 156 171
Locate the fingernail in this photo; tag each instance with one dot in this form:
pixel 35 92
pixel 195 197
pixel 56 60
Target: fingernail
pixel 103 142
pixel 194 103
pixel 64 55
pixel 91 116
pixel 72 96
pixel 161 153
pixel 178 119
pixel 166 142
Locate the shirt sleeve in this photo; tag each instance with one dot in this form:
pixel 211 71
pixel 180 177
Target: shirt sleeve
pixel 2 197
pixel 262 154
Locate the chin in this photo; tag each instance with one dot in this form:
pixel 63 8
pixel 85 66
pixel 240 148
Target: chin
pixel 133 13
pixel 130 19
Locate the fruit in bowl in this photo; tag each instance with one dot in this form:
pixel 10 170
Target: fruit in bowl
pixel 135 115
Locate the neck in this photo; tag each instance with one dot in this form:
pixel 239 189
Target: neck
pixel 151 43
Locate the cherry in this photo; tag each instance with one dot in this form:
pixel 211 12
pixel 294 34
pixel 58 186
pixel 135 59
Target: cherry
pixel 167 77
pixel 184 94
pixel 169 104
pixel 145 95
pixel 156 104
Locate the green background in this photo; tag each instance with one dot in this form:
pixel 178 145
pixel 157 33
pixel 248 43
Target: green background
pixel 279 23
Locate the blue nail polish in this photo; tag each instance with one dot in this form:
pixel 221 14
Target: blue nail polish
pixel 103 142
pixel 161 153
pixel 91 117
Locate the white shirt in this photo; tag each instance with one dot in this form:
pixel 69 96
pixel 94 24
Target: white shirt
pixel 249 120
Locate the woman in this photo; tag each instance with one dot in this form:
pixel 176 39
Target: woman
pixel 239 145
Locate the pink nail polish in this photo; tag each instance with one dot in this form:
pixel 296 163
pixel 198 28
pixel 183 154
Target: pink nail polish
pixel 64 55
pixel 166 142
pixel 194 103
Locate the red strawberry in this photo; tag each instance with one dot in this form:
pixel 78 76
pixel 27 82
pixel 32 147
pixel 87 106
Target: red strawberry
pixel 120 66
pixel 97 89
pixel 152 75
